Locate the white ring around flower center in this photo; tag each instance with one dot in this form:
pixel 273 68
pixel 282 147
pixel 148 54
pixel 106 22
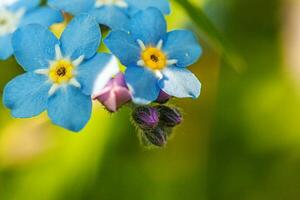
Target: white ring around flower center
pixel 118 3
pixel 9 20
pixel 58 56
pixel 159 46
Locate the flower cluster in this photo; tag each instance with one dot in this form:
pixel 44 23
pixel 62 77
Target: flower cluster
pixel 65 72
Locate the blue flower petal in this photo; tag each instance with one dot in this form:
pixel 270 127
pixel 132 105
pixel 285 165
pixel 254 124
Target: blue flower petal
pixel 111 16
pixel 180 82
pixel 94 74
pixel 70 108
pixel 6 49
pixel 148 25
pixel 74 7
pixel 81 37
pixel 25 4
pixel 143 85
pixel 44 16
pixel 124 47
pixel 183 46
pixel 34 46
pixel 162 5
pixel 26 95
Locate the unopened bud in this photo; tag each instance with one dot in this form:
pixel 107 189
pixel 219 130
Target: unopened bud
pixel 156 136
pixel 170 117
pixel 146 117
pixel 115 94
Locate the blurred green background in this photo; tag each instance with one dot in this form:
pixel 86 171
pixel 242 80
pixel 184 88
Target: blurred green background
pixel 239 141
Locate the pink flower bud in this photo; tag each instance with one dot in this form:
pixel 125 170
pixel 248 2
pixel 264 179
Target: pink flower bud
pixel 115 94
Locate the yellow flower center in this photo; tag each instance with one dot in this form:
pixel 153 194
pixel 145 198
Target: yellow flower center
pixel 154 58
pixel 61 71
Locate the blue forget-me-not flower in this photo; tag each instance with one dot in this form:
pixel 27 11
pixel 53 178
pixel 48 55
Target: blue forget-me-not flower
pixel 156 59
pixel 17 13
pixel 61 74
pixel 112 13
